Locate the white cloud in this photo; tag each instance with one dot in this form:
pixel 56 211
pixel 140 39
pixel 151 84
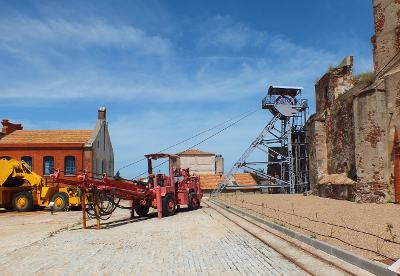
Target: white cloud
pixel 152 67
pixel 223 31
pixel 24 31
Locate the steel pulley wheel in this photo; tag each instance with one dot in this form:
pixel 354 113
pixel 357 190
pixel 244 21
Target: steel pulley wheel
pixel 194 202
pixel 168 205
pixel 23 201
pixel 60 201
pixel 285 100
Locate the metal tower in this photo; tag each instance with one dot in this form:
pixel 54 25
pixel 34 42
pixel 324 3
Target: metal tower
pixel 284 142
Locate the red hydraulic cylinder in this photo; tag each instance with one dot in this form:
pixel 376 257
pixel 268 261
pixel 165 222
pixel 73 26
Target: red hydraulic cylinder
pixel 159 201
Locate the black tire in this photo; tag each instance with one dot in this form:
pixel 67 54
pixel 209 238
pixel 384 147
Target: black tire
pixel 141 210
pixel 23 201
pixel 194 202
pixel 9 207
pixel 169 205
pixel 60 201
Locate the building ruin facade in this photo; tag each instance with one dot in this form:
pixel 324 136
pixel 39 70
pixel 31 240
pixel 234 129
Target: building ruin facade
pixel 353 136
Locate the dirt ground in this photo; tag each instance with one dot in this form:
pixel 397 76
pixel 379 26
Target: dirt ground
pixel 300 213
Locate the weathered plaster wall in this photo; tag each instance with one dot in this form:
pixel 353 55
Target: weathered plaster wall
pixel 371 139
pixel 316 137
pixel 334 105
pixel 386 41
pixel 360 122
pixel 392 89
pixel 340 136
pixel 199 164
pixel 333 84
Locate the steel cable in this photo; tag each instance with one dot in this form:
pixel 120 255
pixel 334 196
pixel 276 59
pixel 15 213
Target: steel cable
pixel 190 138
pixel 206 139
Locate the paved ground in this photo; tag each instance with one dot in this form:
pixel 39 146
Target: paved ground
pixel 200 242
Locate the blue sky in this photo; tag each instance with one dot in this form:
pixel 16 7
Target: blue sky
pixel 166 70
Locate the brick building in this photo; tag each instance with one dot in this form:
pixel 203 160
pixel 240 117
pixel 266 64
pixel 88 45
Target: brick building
pixel 69 150
pixel 353 137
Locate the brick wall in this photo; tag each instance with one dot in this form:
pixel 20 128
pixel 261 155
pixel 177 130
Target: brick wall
pixel 38 155
pixel 386 41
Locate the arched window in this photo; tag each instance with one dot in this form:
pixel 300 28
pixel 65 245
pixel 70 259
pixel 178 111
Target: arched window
pixel 103 166
pixel 48 165
pixel 28 160
pixel 69 162
pixel 5 157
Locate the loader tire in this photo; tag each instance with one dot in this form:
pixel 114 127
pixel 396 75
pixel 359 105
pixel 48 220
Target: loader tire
pixel 142 211
pixel 168 204
pixel 60 201
pixel 194 202
pixel 23 201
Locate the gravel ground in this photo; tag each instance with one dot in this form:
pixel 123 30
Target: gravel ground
pixel 368 217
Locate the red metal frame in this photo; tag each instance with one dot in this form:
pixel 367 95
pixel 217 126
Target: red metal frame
pixel 178 183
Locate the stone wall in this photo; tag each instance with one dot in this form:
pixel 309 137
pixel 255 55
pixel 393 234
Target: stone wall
pixel 386 41
pixel 340 136
pixel 361 117
pixel 335 107
pixel 392 88
pixel 316 137
pixel 333 84
pixel 370 135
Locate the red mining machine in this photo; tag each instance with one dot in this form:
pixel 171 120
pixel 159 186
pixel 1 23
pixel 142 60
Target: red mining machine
pixel 163 192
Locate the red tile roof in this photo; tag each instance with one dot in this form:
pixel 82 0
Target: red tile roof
pixel 195 152
pixel 46 136
pixel 211 181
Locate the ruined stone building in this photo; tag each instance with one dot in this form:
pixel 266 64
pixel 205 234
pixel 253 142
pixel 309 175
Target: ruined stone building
pixel 353 136
pixel 71 151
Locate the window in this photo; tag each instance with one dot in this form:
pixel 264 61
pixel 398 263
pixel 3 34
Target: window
pixel 27 160
pixel 5 157
pixel 103 166
pixel 69 162
pixel 48 165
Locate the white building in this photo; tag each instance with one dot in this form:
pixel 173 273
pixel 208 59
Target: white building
pixel 201 162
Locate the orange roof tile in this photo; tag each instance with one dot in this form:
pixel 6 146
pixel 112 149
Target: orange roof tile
pixel 195 152
pixel 211 181
pixel 245 179
pixel 46 136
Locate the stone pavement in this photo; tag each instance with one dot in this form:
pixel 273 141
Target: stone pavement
pixel 200 242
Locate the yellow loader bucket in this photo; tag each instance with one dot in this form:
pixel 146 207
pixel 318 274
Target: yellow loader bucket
pixel 6 170
pixel 13 173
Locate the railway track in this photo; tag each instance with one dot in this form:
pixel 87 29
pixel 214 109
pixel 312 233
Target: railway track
pixel 307 258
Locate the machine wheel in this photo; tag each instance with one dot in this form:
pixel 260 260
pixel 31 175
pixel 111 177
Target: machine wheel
pixel 23 201
pixel 60 201
pixel 142 210
pixel 168 203
pixel 193 201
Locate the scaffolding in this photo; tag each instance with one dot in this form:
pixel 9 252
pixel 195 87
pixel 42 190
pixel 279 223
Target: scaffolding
pixel 284 143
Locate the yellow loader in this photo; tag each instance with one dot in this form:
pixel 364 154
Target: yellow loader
pixel 21 189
